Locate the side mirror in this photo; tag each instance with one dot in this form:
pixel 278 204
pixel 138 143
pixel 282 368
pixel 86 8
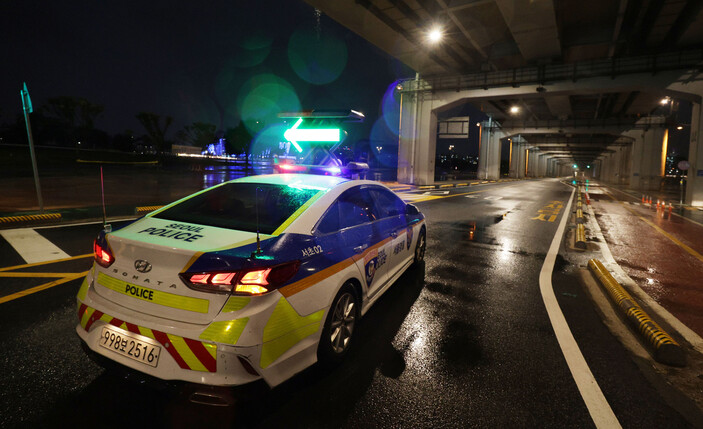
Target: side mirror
pixel 411 210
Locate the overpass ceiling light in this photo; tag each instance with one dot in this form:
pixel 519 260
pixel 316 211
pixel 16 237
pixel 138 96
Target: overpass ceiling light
pixel 435 35
pixel 664 101
pixel 514 110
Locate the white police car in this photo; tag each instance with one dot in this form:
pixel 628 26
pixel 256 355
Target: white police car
pixel 254 278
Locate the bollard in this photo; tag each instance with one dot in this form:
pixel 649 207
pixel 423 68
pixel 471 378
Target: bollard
pixel 670 207
pixel 643 199
pixel 657 205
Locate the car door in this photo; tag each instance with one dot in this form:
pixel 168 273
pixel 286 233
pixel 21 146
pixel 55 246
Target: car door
pixel 392 225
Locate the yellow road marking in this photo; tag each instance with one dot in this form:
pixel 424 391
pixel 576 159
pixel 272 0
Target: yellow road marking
pixel 41 287
pixel 17 267
pixel 661 231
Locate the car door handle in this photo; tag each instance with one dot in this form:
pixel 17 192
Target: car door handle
pixel 359 249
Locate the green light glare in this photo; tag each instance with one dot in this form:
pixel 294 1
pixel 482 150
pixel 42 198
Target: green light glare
pixel 318 58
pixel 262 98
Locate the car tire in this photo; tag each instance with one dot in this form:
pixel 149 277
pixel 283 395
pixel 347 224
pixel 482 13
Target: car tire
pixel 340 327
pixel 420 247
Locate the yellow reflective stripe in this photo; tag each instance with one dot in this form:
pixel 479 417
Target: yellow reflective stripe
pixel 235 303
pixel 146 332
pixel 212 349
pixel 226 332
pixel 106 318
pixel 159 297
pixel 272 350
pixel 284 329
pixel 186 353
pixel 86 316
pixel 83 291
pixel 298 212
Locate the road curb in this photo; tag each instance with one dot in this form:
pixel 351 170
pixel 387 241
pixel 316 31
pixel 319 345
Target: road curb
pixel 664 348
pixel 30 219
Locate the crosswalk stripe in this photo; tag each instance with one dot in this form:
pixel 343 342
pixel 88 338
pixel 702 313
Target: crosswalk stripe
pixel 31 246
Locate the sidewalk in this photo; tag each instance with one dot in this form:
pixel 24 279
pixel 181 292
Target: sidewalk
pixel 661 251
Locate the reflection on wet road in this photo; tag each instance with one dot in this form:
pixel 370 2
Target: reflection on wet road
pixel 463 341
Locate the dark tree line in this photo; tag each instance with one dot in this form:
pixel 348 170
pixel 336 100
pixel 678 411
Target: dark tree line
pixel 70 122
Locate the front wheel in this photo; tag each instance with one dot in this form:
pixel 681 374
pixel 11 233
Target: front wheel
pixel 420 247
pixel 340 325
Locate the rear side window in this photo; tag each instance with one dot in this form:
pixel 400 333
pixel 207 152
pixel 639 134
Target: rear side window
pixel 386 202
pixel 352 208
pixel 235 206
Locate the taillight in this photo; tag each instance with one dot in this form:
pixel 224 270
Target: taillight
pixel 246 282
pixel 102 254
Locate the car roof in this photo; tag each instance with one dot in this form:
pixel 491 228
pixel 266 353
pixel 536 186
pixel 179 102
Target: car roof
pixel 304 180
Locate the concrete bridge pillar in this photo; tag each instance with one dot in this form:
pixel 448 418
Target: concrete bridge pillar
pixel 418 141
pixel 694 182
pixel 645 170
pixel 489 151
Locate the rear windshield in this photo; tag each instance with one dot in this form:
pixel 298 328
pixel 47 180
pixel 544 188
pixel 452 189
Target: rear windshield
pixel 235 206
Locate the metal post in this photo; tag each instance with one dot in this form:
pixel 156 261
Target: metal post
pixel 27 109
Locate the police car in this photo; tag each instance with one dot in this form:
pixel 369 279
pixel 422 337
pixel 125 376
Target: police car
pixel 256 278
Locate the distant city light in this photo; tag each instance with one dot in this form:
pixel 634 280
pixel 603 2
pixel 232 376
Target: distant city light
pixel 680 127
pixel 399 87
pixel 478 124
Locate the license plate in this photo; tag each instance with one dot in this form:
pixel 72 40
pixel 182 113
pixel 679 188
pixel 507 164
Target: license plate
pixel 128 345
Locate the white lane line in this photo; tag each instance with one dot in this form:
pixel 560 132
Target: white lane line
pixel 31 246
pixel 598 407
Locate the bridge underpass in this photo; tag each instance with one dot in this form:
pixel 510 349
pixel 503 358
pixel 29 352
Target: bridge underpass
pixel 549 68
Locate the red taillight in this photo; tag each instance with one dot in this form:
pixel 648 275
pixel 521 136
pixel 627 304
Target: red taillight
pixel 249 282
pixel 102 255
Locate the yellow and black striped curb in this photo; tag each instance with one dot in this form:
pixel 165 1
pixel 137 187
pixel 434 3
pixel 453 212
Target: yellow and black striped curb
pixel 580 238
pixel 463 184
pixel 146 209
pixel 45 217
pixel 665 349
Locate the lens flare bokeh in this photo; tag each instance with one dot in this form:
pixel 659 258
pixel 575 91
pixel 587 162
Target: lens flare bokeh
pixel 317 58
pixel 262 98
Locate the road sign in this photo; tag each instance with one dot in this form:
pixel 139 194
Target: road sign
pixel 295 135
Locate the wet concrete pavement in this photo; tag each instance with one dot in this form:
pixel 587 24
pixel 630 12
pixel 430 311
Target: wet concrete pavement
pixel 660 251
pixel 463 341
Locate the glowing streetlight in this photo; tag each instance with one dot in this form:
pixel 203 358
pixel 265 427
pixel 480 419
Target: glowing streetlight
pixel 514 110
pixel 435 35
pixel 664 101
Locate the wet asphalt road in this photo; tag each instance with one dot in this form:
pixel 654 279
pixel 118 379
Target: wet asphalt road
pixel 463 341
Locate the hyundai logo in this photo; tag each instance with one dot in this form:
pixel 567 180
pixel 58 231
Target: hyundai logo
pixel 142 266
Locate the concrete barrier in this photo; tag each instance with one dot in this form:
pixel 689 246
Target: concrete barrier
pixel 35 218
pixel 146 209
pixel 664 348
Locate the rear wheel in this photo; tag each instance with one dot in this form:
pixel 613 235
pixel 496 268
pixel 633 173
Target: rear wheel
pixel 340 326
pixel 420 247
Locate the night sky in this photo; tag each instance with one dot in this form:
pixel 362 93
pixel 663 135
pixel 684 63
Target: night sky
pixel 195 61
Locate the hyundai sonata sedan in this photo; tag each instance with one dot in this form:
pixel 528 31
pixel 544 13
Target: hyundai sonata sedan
pixel 256 278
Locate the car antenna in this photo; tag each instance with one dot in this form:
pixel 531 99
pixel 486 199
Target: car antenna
pixel 106 227
pixel 258 239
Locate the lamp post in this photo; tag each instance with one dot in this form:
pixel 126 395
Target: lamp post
pixel 27 109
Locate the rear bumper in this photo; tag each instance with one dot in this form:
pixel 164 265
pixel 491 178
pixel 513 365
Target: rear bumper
pixel 230 351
